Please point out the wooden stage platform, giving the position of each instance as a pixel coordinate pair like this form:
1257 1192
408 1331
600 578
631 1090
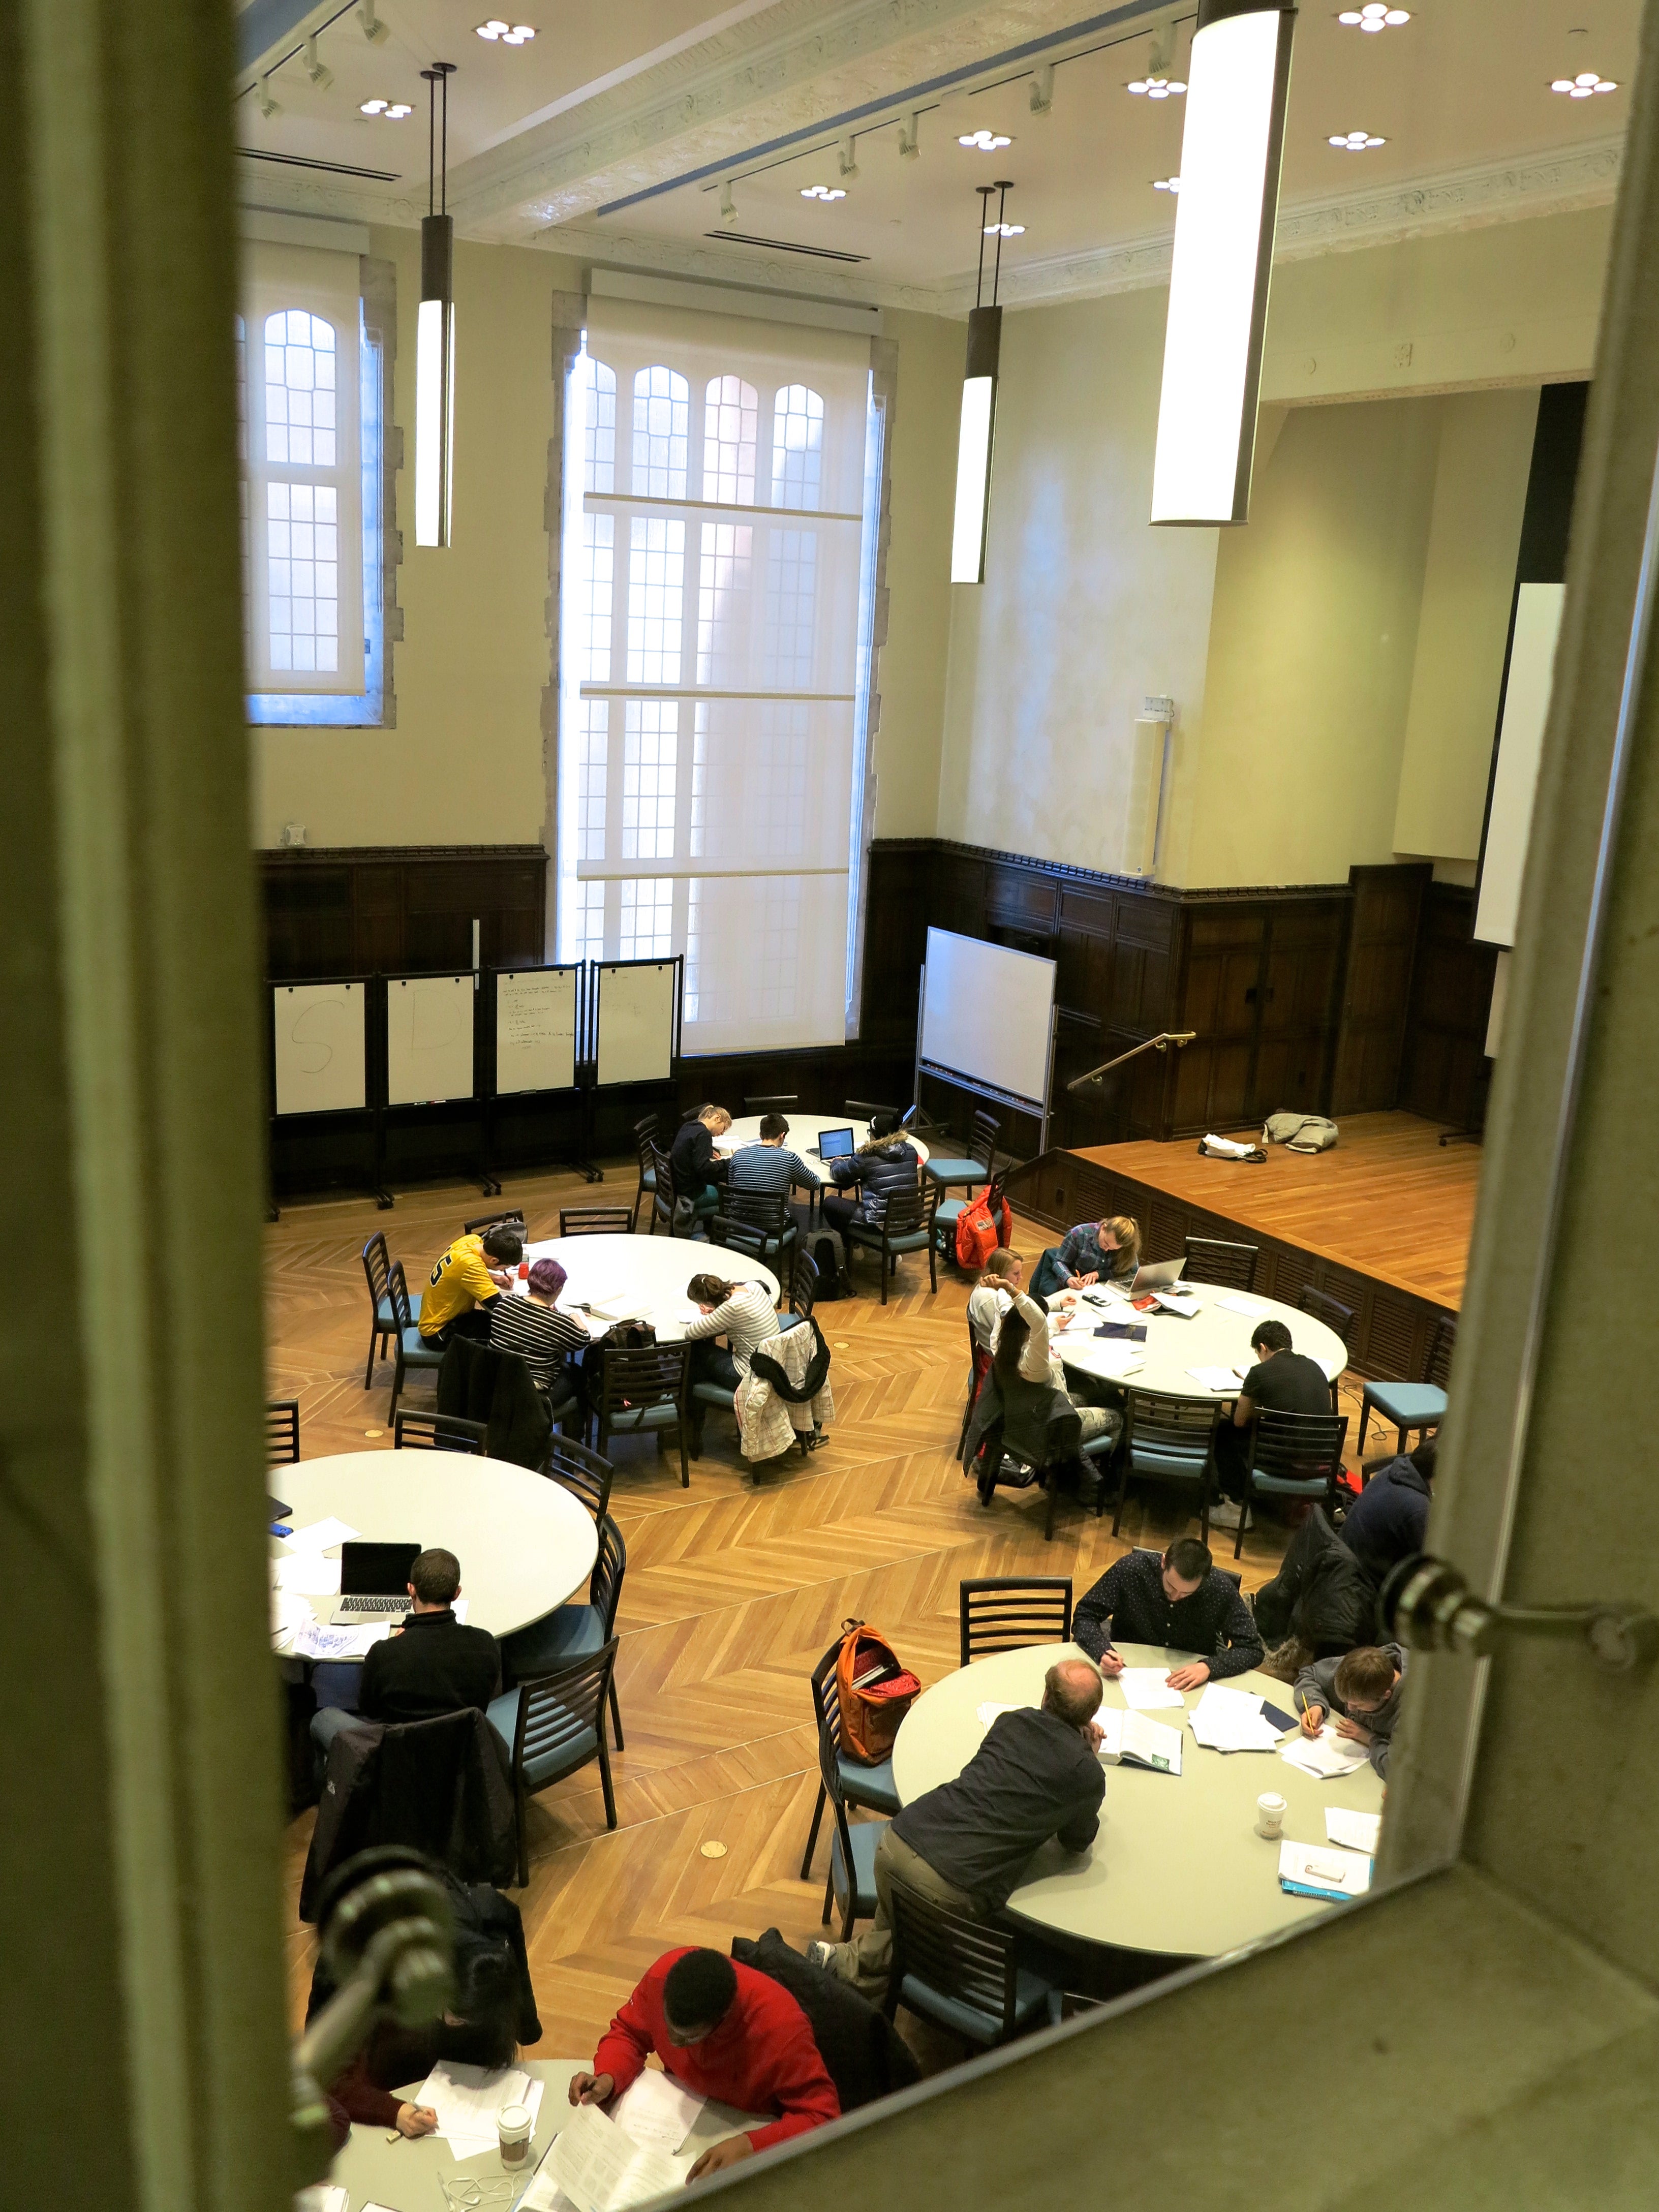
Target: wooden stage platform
1380 1223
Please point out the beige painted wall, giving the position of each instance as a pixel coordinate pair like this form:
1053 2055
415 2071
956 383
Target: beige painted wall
464 766
1480 496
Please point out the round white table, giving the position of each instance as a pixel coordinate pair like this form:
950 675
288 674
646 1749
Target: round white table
649 1273
525 1544
1177 1867
1218 1335
409 2176
805 1129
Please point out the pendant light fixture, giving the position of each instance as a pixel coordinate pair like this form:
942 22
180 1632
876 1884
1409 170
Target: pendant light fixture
979 403
434 331
1237 81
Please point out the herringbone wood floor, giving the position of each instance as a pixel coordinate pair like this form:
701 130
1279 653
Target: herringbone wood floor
733 1591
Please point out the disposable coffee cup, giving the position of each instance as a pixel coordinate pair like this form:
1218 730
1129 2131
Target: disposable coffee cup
514 2127
1270 1815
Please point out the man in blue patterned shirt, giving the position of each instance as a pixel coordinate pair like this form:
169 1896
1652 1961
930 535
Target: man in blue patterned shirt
1181 1602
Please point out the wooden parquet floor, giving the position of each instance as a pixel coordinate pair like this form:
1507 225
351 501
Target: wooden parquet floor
1388 1200
733 1591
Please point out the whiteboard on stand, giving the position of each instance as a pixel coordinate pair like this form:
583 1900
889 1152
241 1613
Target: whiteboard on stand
536 1028
316 1031
638 1007
429 1039
1515 771
988 1016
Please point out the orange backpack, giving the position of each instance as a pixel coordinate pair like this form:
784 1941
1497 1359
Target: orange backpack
875 1692
980 1230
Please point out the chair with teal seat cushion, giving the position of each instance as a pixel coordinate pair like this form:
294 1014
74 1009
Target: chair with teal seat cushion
1409 1407
703 1207
581 1471
553 1724
1294 1456
978 1163
803 1292
871 1787
699 1398
850 1883
575 1631
411 1349
642 1391
757 1223
906 1225
1169 1441
961 1973
644 1131
383 1322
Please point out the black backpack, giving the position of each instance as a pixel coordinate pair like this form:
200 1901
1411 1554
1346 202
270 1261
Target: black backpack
828 1268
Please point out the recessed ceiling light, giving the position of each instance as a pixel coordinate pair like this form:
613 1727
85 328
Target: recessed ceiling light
1158 87
1166 183
822 193
985 142
507 34
390 111
1585 85
1373 16
1356 142
1004 230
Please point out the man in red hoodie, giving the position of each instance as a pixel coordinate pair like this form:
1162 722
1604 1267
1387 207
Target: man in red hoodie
725 2032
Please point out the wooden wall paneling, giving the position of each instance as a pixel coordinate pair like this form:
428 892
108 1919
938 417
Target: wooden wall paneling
900 895
1444 1074
308 923
1388 906
1296 996
379 945
1220 976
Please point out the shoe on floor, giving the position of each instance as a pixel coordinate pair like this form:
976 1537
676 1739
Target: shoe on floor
821 1954
1226 1515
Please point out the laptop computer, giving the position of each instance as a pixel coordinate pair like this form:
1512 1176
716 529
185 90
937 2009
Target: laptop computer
834 1145
374 1583
1161 1275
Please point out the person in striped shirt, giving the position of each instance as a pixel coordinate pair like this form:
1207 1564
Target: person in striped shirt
743 1313
539 1333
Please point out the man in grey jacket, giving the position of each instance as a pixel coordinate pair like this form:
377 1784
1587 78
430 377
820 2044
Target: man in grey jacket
1362 1689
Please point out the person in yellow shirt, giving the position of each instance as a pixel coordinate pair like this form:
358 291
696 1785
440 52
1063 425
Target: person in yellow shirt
463 1285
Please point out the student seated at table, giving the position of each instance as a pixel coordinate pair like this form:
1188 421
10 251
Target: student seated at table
1021 1355
965 1845
540 1334
885 1163
464 1286
1181 1602
1389 1519
434 1664
691 1156
743 1313
493 2012
1362 1691
1282 1381
1001 1276
769 1165
727 2032
1094 1252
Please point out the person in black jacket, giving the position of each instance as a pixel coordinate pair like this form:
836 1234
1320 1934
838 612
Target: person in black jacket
1180 1602
1389 1519
691 1157
432 1665
1282 1381
886 1162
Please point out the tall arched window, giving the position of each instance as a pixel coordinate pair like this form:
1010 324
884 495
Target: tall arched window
662 432
797 446
598 389
302 590
731 432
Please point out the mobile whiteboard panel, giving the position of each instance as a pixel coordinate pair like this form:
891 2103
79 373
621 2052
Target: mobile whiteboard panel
317 1034
988 1016
1515 772
536 1028
429 1039
637 1021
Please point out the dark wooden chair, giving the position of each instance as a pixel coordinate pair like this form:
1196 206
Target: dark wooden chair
1410 1407
979 1360
1293 1455
1172 1440
446 1433
850 1881
596 1221
1210 1260
963 1974
574 1631
1004 1613
906 1225
644 1131
756 1222
871 1787
553 1725
1336 1317
510 1217
643 1392
778 1101
382 1323
580 1471
411 1350
803 1291
283 1432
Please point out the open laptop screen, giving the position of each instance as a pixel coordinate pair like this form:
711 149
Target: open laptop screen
376 1570
835 1143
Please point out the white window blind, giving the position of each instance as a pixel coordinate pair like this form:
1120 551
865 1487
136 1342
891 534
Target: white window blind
299 379
715 561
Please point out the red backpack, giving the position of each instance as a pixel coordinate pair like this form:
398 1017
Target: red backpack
981 1226
874 1691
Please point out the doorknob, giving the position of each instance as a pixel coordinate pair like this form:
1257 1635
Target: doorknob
1426 1604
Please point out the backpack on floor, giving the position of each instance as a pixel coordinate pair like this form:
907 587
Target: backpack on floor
980 1230
1299 1133
828 1263
875 1694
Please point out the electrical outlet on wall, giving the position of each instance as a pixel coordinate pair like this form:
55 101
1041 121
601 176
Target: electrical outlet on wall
1157 706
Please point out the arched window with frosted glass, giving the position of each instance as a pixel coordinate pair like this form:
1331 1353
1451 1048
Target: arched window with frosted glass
798 447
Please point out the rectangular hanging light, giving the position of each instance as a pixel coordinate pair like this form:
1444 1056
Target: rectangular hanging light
434 382
974 444
1230 147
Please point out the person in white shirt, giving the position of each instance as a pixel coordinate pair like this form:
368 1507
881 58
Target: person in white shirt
743 1313
1020 1340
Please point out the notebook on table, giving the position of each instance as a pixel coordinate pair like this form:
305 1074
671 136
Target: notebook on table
374 1583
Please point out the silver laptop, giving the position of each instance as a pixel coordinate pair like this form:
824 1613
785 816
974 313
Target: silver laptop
373 1584
1162 1275
833 1145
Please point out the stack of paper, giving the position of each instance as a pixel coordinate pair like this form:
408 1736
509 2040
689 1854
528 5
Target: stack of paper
315 1641
1232 1720
597 2168
1223 1381
1131 1740
1327 1755
321 1536
657 2111
1182 1302
307 1574
1240 1302
1359 1831
289 1615
325 2196
468 2101
1309 1871
988 1713
1147 1688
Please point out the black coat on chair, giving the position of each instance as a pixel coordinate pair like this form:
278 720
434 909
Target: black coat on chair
482 1383
863 2053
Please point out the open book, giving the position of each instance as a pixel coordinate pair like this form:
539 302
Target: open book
1129 1739
595 2166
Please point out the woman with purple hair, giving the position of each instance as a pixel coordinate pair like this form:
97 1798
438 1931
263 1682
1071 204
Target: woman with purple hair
539 1333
